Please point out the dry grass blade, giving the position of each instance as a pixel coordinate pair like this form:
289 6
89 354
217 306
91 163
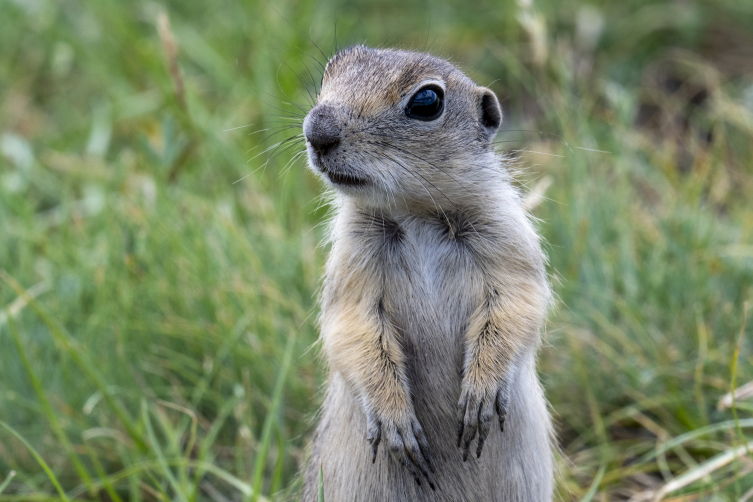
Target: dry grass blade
19 303
742 392
747 496
537 194
170 46
701 471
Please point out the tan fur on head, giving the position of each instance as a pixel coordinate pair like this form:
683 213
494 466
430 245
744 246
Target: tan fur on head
434 296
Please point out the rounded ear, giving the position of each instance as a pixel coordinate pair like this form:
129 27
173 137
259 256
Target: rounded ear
490 113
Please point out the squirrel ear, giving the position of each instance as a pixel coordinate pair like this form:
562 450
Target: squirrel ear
490 113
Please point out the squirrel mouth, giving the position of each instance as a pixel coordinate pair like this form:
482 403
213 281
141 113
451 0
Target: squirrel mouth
344 179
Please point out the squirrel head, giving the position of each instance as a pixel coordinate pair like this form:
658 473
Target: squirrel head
393 127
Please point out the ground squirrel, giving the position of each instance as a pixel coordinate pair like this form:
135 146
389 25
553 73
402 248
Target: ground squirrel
434 296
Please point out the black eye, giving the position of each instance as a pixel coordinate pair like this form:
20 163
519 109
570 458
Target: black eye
427 104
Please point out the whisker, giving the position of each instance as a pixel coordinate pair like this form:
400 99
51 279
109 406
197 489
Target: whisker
299 31
296 104
408 170
541 133
390 145
286 171
289 164
433 185
278 130
236 128
313 82
282 127
276 145
592 149
370 131
274 134
312 58
542 153
444 171
288 113
296 118
312 101
279 151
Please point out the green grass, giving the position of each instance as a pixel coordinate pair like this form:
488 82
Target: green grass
157 335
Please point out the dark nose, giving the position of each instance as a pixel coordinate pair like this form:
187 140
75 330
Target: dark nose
321 129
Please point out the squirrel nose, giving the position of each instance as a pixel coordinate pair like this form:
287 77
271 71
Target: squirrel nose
321 129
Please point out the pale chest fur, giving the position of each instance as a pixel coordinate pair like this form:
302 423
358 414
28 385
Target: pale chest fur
431 283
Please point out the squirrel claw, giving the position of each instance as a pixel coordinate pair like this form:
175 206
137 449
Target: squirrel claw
407 444
374 436
475 413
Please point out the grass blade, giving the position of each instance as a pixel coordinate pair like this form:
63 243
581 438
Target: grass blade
101 473
222 353
689 436
179 433
321 485
78 354
733 381
594 485
702 470
142 467
208 441
38 458
8 478
49 413
19 303
160 456
276 482
266 435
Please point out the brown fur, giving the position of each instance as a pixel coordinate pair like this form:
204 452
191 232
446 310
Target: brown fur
434 296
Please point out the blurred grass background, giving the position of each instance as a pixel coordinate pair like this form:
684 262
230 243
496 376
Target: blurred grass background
157 336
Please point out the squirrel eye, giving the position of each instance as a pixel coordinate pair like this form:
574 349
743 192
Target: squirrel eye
427 104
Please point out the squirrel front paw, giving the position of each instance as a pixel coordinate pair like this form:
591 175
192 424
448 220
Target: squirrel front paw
476 411
405 440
